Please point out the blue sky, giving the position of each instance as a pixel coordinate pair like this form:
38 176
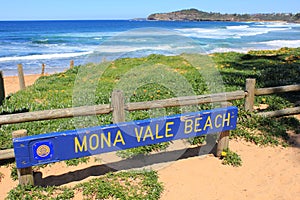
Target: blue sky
128 9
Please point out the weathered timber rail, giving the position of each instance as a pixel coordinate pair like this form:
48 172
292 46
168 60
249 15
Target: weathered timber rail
118 111
107 108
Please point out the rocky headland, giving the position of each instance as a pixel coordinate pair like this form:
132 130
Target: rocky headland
197 15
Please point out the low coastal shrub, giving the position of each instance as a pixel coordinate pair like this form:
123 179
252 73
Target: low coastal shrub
75 162
1 176
144 150
270 68
197 140
13 172
231 158
36 193
135 185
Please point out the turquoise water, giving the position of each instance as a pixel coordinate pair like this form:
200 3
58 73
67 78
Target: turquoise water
55 43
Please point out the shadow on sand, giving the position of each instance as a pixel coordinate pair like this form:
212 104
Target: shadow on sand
125 164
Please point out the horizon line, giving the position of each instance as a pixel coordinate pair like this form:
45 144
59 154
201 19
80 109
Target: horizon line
145 18
19 20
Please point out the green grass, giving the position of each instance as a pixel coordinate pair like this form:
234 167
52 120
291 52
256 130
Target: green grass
34 192
133 185
270 68
145 150
231 158
1 176
75 162
96 83
265 131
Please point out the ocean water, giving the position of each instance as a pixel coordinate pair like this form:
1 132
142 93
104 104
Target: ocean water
55 43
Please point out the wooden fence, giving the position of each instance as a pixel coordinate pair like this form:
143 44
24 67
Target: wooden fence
251 92
22 79
118 107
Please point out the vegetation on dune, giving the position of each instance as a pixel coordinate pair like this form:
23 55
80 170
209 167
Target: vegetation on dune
269 68
231 158
197 15
135 185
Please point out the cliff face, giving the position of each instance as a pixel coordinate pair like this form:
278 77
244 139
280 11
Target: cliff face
196 15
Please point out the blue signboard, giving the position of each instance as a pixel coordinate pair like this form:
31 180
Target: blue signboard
58 146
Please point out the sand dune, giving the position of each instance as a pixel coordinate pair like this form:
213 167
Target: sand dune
266 173
11 83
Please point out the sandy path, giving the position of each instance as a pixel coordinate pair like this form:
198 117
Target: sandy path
11 83
266 173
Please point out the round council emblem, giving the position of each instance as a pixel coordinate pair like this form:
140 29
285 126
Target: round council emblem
43 151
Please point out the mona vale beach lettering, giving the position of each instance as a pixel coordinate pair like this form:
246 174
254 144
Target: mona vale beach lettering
58 146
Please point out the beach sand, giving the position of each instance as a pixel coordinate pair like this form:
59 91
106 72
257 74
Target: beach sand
266 172
11 83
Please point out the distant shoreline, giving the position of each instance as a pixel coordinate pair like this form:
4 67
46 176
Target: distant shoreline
197 15
56 43
275 21
150 20
144 19
11 83
38 74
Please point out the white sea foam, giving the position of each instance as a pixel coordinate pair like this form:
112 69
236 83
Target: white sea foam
277 25
229 32
222 50
202 33
87 35
123 49
237 27
103 49
44 56
281 43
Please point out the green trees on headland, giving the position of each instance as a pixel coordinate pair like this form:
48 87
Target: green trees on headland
196 15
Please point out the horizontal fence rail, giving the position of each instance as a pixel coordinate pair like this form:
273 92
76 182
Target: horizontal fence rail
186 101
279 113
7 154
55 114
106 108
280 89
251 92
249 96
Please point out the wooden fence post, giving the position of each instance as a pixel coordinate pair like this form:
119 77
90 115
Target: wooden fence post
25 175
21 77
117 103
249 99
223 141
43 69
71 64
2 90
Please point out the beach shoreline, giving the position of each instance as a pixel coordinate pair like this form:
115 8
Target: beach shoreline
11 83
44 45
262 175
267 172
